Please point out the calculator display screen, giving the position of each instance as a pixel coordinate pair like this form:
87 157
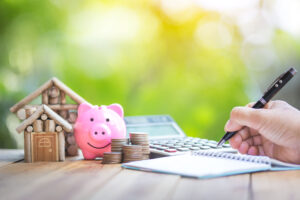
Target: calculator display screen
157 126
155 130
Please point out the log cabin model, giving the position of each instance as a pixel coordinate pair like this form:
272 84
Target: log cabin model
47 127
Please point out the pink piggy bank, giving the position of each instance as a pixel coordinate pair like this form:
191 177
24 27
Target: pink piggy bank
96 126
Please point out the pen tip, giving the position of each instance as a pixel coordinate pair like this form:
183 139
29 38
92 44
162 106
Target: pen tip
221 143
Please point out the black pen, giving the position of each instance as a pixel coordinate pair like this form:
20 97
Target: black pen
271 91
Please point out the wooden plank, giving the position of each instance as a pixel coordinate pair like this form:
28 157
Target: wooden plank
232 187
132 185
53 92
61 146
54 101
8 156
64 114
72 150
21 114
25 112
29 129
45 98
78 99
27 147
58 119
30 97
30 120
50 126
63 99
44 117
72 117
276 185
38 126
60 180
57 107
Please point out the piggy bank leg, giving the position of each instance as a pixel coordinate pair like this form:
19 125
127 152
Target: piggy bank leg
88 155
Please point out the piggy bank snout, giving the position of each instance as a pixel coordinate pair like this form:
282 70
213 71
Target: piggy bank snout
100 132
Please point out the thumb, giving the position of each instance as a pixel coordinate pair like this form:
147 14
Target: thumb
250 117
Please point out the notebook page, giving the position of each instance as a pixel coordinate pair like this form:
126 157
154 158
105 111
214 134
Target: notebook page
198 166
281 166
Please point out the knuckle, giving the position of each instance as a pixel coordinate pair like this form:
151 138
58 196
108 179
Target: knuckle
277 103
235 113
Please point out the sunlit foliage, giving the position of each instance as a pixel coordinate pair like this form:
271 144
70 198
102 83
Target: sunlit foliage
146 55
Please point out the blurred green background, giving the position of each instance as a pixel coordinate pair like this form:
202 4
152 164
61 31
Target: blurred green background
194 60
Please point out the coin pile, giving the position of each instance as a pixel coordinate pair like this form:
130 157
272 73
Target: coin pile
139 138
112 157
117 144
132 153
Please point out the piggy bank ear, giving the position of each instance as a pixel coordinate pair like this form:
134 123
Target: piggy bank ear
117 108
84 107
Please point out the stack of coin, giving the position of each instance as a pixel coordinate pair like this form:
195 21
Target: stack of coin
132 153
112 157
139 138
117 144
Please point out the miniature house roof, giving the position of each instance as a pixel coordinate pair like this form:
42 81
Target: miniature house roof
51 114
52 82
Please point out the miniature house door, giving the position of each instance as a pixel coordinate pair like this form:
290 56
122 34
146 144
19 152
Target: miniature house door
44 147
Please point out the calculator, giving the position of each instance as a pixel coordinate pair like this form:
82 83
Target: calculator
168 139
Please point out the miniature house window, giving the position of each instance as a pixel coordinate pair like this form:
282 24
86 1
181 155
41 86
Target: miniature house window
44 142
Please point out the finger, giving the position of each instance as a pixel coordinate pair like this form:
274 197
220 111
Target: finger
249 117
253 150
257 140
261 151
236 141
232 126
245 133
276 103
250 105
253 132
250 141
243 149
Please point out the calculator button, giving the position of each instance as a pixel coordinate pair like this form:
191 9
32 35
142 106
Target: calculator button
171 150
211 145
203 140
194 148
187 146
169 145
188 143
171 142
177 146
162 148
183 149
226 145
197 145
212 142
205 147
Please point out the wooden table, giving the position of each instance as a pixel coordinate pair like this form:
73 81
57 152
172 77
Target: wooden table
80 179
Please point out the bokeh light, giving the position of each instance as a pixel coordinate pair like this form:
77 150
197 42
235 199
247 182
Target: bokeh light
192 59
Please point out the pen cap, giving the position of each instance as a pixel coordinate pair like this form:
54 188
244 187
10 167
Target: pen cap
293 71
279 83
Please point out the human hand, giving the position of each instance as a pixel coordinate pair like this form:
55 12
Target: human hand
273 131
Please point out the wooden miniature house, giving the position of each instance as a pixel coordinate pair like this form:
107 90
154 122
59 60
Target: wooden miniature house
44 138
54 95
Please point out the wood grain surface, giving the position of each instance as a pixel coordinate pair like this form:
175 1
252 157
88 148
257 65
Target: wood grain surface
80 179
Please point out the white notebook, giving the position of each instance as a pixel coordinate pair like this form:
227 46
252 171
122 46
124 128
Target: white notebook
209 164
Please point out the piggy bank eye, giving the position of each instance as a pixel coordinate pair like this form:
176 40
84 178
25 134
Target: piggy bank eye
92 119
107 119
